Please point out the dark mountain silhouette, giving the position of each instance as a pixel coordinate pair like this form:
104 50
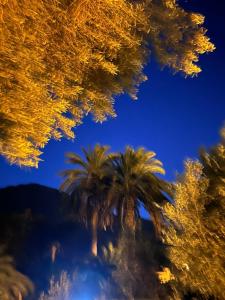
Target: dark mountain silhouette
41 200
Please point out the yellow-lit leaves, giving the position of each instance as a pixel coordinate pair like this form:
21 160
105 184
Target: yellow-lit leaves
196 229
74 57
165 275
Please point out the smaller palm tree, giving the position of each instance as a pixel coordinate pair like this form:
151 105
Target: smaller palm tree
135 183
87 185
13 284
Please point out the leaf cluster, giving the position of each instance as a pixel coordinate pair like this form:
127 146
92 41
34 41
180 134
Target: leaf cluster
61 60
196 226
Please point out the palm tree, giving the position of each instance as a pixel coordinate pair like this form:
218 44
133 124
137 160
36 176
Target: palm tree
135 183
13 284
87 186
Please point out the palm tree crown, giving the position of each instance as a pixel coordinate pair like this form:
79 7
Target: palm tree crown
87 186
135 183
104 184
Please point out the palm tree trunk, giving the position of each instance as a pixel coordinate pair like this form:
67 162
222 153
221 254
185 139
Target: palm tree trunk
156 220
120 210
94 229
130 214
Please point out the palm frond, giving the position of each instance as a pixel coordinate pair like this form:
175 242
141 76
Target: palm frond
12 282
75 159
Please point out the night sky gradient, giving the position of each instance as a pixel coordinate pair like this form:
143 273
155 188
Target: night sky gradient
174 116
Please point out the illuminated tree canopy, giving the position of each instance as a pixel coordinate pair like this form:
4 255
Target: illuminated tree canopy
196 227
62 59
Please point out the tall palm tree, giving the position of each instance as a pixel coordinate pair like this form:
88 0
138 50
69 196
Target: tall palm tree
87 185
135 183
13 284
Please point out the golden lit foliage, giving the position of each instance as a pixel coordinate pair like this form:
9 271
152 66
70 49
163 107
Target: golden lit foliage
61 59
13 284
196 232
165 275
177 37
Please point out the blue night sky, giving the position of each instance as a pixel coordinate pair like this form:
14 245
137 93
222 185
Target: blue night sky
173 116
